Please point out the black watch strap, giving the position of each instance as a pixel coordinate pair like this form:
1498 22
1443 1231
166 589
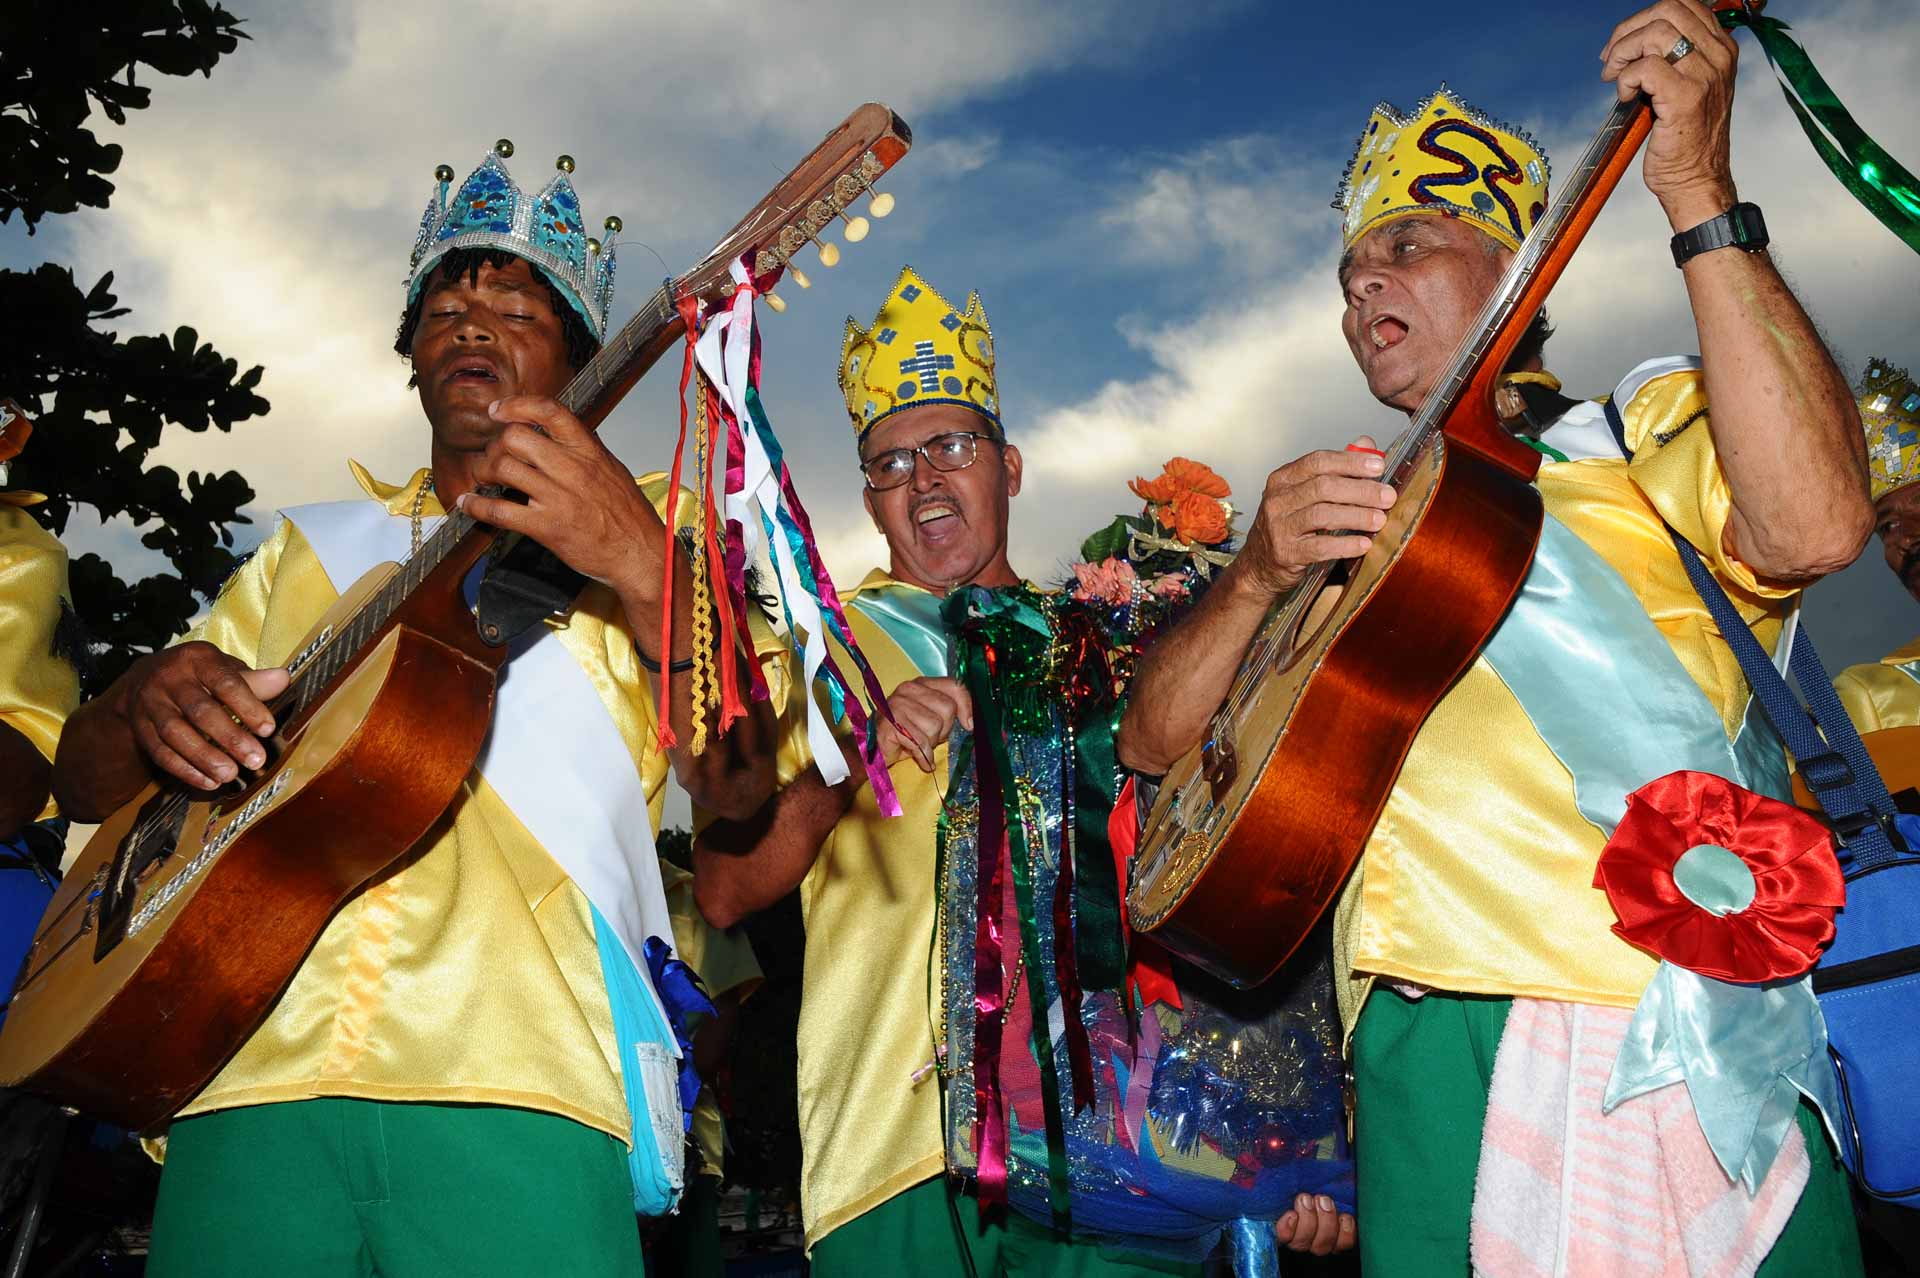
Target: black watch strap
1739 227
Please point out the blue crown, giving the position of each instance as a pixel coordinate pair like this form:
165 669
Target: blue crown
548 230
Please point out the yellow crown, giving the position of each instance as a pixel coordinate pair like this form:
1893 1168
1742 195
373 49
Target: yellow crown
920 349
1890 410
1449 158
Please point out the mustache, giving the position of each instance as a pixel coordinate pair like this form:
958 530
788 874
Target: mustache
921 502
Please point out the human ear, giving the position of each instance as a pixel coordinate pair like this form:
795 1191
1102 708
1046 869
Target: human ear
1010 460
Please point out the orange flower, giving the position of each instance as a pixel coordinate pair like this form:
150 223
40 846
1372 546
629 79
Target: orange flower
1180 475
1199 519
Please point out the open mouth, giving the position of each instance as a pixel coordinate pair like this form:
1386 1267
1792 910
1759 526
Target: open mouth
1385 332
473 370
936 519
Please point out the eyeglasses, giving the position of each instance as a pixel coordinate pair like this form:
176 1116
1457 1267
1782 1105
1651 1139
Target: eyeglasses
894 467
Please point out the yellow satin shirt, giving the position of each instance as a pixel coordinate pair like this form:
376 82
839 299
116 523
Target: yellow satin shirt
471 975
724 962
38 690
1479 876
1882 695
867 1130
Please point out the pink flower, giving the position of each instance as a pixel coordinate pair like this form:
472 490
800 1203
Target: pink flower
1109 581
1173 585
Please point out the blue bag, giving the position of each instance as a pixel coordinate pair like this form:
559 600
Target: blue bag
1868 982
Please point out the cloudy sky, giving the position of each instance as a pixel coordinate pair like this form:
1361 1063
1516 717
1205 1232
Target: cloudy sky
1138 190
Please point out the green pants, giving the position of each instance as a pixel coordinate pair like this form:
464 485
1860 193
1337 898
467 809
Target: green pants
1421 1071
919 1233
337 1188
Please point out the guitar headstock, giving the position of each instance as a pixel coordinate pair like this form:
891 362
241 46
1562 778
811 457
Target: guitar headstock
823 188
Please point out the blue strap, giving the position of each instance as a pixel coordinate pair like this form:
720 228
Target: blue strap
1832 759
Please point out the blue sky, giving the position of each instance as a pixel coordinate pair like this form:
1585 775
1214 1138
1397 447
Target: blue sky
1138 190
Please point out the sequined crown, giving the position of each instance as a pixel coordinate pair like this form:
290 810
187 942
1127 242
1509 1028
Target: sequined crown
490 211
1445 157
920 349
1890 410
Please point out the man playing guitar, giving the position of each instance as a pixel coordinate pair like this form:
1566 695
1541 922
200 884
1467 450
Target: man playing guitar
1475 893
441 1088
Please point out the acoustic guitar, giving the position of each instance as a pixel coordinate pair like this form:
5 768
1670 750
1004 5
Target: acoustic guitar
1254 832
186 915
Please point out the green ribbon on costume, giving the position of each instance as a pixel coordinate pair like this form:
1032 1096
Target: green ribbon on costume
1881 183
1097 938
1002 631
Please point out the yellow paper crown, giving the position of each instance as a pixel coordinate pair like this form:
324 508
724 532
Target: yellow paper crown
1890 410
1449 158
920 349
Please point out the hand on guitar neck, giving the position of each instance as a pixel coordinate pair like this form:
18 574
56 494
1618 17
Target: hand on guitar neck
1319 508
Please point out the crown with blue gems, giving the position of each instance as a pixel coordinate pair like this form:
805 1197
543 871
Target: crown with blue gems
1444 157
490 211
920 349
1890 412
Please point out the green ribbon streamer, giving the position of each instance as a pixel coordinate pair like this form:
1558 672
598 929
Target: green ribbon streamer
1096 894
1881 183
1009 623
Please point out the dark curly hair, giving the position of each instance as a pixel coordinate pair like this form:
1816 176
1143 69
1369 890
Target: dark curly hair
581 343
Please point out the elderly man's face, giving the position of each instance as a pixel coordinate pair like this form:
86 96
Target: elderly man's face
483 339
1898 514
1413 286
945 528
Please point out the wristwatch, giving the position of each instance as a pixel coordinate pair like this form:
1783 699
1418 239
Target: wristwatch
1739 227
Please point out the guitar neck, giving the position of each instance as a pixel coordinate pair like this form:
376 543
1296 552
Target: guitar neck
1478 362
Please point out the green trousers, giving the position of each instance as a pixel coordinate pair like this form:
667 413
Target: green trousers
338 1188
920 1234
1421 1070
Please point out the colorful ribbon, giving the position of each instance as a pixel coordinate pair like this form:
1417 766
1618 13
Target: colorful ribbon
1881 183
763 510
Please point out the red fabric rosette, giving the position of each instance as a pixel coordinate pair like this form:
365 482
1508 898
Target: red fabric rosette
1797 881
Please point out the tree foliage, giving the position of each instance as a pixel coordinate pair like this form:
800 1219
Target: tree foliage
102 402
59 59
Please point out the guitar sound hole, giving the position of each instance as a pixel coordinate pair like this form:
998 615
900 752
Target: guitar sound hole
153 838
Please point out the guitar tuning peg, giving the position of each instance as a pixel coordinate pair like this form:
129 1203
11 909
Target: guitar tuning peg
881 204
829 254
799 277
857 228
778 303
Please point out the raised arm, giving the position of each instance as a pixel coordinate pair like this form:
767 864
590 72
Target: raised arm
1185 675
1783 418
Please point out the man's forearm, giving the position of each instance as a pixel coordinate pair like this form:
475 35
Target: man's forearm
1784 421
742 867
1185 676
26 778
99 765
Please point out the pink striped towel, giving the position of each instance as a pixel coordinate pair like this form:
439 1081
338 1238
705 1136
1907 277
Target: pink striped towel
1567 1191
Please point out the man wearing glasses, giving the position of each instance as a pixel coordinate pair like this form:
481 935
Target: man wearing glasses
940 479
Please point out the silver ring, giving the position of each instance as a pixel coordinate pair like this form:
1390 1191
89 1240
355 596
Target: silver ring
1681 48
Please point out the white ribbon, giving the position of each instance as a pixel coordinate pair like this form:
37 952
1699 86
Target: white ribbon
725 352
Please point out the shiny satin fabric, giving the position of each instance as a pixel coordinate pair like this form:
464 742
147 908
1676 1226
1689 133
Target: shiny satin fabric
1478 877
868 1128
1883 694
470 975
37 689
